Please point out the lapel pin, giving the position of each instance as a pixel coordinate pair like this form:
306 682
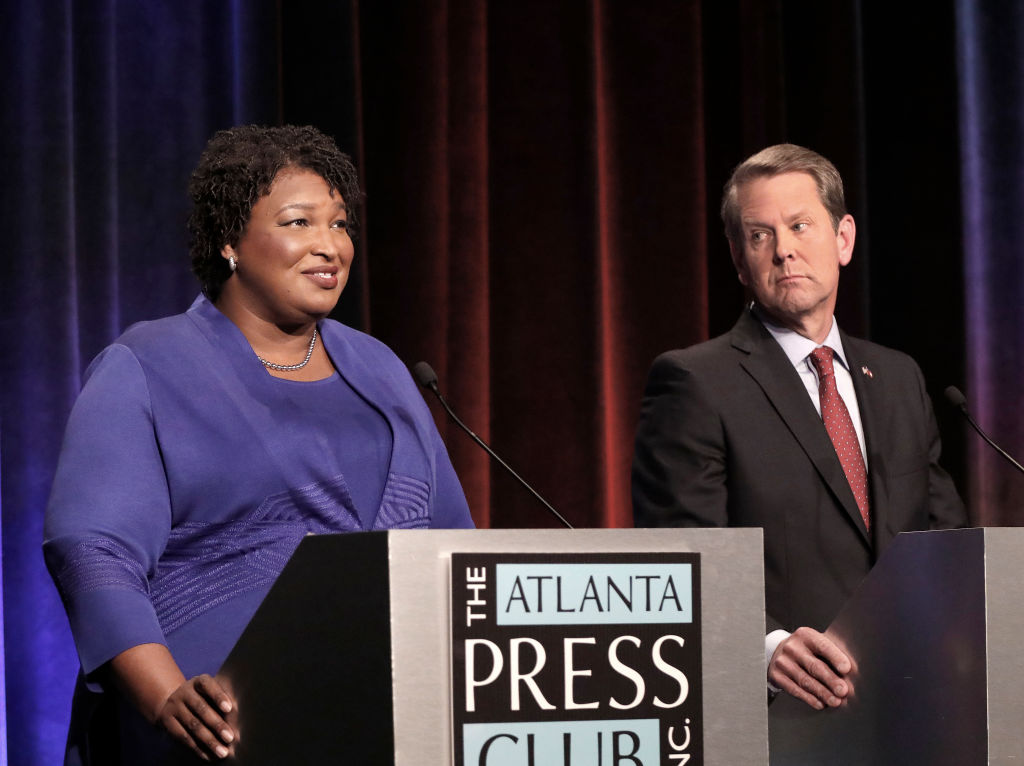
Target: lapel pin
867 372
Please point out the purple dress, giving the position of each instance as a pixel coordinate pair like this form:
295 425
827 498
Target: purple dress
189 475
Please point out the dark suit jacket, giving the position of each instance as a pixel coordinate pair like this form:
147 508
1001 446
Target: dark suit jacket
729 437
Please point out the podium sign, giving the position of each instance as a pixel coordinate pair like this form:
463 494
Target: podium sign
576 658
591 648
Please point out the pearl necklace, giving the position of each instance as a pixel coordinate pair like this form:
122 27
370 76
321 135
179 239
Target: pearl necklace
290 367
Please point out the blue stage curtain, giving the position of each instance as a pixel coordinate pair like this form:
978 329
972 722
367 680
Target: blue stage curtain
990 39
106 105
3 669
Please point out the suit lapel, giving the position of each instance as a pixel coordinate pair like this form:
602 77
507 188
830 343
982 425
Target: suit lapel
768 365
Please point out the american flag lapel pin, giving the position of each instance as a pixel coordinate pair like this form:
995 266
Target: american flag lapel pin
867 371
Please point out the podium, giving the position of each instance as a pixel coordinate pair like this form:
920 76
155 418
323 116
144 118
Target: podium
371 648
935 632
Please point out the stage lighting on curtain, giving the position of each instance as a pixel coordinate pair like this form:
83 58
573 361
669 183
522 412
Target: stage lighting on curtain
3 674
991 73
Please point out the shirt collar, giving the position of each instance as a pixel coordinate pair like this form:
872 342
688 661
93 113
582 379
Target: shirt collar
796 347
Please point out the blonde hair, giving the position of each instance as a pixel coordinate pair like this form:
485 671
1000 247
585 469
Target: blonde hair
773 161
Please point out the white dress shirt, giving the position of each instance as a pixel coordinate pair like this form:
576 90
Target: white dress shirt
798 350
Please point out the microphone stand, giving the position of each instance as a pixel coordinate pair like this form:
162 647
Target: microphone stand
955 397
428 379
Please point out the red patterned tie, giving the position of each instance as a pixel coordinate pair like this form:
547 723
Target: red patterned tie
840 429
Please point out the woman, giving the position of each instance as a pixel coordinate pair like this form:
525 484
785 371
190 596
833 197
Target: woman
204 446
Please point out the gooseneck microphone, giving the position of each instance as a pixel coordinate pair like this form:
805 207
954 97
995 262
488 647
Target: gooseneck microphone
427 378
956 397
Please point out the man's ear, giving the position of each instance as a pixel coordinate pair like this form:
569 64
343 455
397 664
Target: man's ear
846 235
738 263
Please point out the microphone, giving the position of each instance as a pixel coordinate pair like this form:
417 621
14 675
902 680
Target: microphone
956 397
427 378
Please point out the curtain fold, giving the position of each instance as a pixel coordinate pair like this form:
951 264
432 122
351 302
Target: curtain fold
991 103
650 266
3 669
468 273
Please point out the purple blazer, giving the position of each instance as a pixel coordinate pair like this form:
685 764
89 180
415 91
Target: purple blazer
183 485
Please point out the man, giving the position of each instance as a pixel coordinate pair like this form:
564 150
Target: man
827 442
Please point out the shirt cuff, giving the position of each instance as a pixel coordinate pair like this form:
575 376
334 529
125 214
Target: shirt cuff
771 643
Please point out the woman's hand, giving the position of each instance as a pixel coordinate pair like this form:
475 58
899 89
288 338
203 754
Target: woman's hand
193 712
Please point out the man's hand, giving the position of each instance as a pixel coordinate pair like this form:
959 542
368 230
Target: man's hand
812 668
194 714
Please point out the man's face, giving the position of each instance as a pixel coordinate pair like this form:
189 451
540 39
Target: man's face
789 254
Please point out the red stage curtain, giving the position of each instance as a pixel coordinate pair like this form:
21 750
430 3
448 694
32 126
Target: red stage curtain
536 229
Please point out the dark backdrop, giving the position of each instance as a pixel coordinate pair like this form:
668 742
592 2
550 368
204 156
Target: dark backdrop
541 219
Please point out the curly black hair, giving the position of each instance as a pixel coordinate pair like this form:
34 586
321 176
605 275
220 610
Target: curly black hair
238 167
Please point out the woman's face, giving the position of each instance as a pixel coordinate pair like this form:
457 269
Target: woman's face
295 253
